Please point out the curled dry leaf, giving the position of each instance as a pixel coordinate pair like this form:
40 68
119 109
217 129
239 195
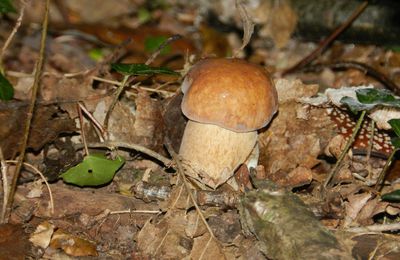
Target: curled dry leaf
72 245
42 235
354 205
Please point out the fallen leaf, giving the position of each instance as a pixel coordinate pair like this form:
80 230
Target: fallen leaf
205 247
72 245
354 205
42 235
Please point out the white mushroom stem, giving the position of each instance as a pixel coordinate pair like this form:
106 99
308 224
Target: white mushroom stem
214 152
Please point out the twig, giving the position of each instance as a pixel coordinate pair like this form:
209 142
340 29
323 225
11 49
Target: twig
375 228
371 140
185 183
94 121
82 129
34 169
346 149
161 47
115 100
135 211
381 179
117 83
35 88
12 34
167 162
327 41
365 68
4 170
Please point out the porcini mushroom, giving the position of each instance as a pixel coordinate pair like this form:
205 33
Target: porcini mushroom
226 102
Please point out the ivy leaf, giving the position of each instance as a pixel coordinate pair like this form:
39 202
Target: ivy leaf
376 96
6 89
393 196
395 142
369 98
395 124
354 105
141 69
152 43
6 7
94 170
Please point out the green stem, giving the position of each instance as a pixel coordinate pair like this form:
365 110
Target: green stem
115 100
382 175
346 149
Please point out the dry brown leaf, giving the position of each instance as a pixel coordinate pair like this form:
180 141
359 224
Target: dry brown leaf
144 126
47 124
205 247
165 239
354 205
195 226
72 245
278 20
373 207
298 177
290 141
42 235
248 26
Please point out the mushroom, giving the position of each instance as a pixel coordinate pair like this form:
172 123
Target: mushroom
226 102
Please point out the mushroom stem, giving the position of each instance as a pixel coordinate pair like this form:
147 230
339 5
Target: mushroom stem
214 152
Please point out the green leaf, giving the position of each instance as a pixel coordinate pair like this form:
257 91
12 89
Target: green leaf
354 105
393 196
6 7
94 170
369 98
395 124
374 96
396 142
141 69
96 54
6 89
152 43
143 15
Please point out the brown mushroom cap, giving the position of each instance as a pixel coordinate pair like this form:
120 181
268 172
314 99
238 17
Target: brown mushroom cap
230 93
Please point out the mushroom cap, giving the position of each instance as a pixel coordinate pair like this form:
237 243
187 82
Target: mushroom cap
230 93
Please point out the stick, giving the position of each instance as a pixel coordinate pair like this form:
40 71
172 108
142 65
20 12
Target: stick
35 88
327 41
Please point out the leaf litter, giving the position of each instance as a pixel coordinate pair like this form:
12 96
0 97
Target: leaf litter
145 211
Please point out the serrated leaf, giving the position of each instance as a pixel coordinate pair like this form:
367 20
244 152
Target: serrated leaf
6 7
6 89
141 69
94 170
395 124
393 196
152 43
